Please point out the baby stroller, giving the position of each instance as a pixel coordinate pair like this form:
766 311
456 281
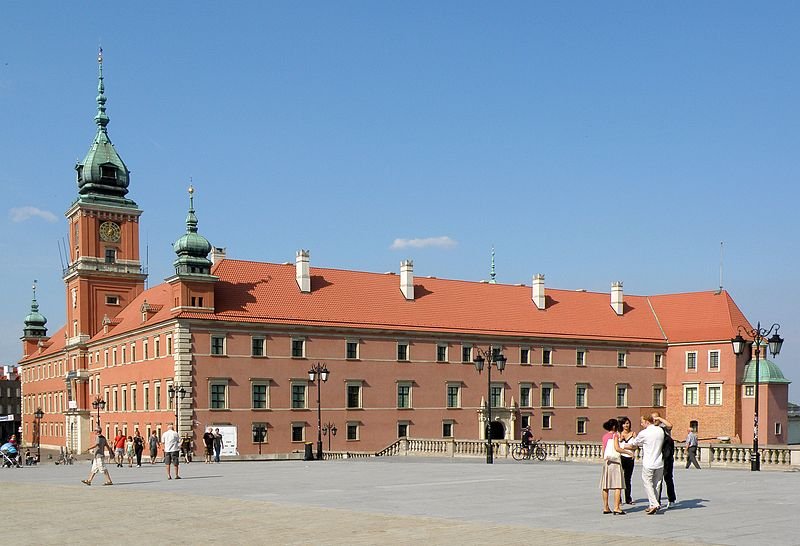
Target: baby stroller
10 455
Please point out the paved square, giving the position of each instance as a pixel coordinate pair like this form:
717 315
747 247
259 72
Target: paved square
390 501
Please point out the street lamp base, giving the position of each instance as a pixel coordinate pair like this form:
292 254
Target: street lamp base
755 462
319 450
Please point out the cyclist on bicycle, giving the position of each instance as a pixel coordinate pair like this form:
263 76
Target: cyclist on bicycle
527 438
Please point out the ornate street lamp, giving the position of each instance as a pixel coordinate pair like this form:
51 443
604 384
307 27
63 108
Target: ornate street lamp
489 357
99 404
319 369
38 414
329 427
259 433
774 344
175 393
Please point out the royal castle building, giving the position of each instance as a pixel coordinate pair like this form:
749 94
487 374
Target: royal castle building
229 343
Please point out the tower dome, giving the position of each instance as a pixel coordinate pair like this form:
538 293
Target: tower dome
102 175
192 248
35 321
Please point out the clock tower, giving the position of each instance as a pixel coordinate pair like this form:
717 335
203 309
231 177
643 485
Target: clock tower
104 273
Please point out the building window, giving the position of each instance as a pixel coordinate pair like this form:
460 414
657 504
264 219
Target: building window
352 431
351 350
547 421
402 350
404 395
453 395
466 353
713 361
691 361
580 357
298 348
354 395
525 421
257 346
133 352
580 425
299 395
259 433
122 355
146 397
658 361
111 255
219 395
524 355
547 395
778 429
658 396
124 398
133 398
447 429
622 396
259 395
217 345
112 300
713 395
525 395
547 356
749 391
496 396
690 395
402 429
580 396
441 353
157 394
622 359
157 347
145 352
298 432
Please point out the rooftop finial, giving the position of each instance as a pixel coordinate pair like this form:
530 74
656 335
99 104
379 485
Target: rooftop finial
191 219
101 119
492 274
34 304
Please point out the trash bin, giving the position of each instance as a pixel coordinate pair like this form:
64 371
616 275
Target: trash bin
309 454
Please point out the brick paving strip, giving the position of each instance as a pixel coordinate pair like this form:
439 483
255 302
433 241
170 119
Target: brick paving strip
81 515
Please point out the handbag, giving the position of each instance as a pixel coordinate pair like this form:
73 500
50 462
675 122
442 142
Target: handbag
610 454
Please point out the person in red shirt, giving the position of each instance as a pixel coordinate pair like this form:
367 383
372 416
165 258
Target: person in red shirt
119 447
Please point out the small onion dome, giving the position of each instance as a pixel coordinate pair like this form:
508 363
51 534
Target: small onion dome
35 321
192 248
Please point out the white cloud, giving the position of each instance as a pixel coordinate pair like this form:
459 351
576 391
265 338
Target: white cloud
21 214
440 242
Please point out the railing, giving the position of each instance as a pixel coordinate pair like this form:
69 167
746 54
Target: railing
710 455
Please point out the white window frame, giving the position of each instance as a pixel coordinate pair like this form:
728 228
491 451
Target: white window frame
661 395
581 421
298 383
446 348
465 346
547 420
302 426
302 341
551 390
354 383
448 386
357 427
406 424
658 360
211 339
407 345
452 425
749 388
528 386
410 386
719 360
778 429
625 401
585 387
624 362
687 368
710 386
549 352
259 383
580 362
216 382
355 342
525 359
696 388
263 340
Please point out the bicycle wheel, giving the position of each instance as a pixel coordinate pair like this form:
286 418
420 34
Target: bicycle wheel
540 453
518 453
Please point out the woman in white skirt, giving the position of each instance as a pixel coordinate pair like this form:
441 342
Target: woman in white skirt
611 478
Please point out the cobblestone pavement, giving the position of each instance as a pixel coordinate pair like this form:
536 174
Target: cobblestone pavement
389 501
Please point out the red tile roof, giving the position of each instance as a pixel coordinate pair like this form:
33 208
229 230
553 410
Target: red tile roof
268 293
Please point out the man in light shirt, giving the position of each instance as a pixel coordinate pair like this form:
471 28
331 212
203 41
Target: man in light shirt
650 439
691 448
172 451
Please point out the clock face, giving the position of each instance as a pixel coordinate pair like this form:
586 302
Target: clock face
109 231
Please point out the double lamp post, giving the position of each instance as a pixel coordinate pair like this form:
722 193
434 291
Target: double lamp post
775 342
487 358
321 370
38 414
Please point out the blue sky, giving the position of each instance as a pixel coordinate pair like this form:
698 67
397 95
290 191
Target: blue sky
588 141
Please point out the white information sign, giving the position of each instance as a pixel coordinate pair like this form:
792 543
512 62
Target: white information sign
229 439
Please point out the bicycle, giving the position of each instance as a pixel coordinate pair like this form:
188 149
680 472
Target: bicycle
536 449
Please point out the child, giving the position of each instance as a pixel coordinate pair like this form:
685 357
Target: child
129 451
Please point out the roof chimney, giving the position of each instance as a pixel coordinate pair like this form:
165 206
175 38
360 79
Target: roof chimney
407 278
302 273
617 303
217 254
538 291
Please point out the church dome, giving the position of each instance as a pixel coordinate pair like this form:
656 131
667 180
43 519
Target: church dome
192 248
35 321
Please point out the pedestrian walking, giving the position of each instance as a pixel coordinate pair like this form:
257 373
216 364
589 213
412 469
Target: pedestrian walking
153 442
611 477
651 439
129 452
691 449
627 459
172 451
98 463
119 447
138 447
218 444
668 455
208 444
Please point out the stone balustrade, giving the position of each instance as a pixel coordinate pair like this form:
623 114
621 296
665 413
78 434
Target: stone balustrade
773 457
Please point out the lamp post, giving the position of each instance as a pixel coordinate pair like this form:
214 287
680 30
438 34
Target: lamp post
319 369
774 344
329 427
488 357
98 404
259 431
174 394
38 414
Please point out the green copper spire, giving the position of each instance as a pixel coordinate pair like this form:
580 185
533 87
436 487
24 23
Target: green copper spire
35 321
192 248
102 175
492 274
